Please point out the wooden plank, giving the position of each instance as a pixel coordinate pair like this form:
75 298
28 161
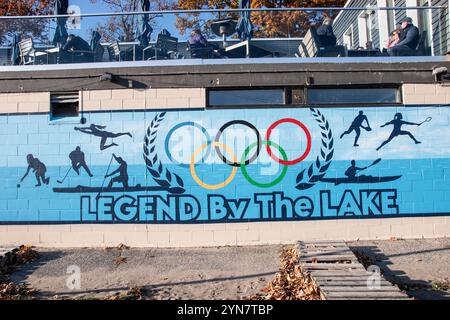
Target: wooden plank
366 294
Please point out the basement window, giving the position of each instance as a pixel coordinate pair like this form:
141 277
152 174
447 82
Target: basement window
246 97
64 105
353 96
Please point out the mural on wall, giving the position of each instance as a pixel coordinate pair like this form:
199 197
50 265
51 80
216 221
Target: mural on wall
227 165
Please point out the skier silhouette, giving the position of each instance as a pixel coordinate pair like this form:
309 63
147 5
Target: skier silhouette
78 161
97 131
122 171
39 170
397 122
356 126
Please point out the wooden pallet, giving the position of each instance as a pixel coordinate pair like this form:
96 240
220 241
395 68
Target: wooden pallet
339 274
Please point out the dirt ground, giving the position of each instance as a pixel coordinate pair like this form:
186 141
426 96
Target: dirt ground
421 267
201 273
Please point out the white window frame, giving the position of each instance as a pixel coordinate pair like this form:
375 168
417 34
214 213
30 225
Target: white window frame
383 24
347 33
364 34
430 23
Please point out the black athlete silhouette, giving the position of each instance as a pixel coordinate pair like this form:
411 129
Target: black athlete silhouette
122 171
98 131
353 170
356 126
39 170
78 161
397 122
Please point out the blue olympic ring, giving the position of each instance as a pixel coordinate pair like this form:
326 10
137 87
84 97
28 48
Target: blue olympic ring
184 124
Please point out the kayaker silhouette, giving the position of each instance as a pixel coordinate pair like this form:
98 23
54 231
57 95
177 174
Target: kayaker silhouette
97 131
78 161
397 122
356 126
39 170
352 171
122 171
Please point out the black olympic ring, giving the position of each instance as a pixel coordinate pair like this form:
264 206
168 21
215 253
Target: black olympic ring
219 134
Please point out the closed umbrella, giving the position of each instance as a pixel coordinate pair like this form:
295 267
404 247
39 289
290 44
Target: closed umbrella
15 55
144 30
244 27
61 35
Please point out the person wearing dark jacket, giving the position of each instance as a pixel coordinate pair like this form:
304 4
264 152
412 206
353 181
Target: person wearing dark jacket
409 39
326 34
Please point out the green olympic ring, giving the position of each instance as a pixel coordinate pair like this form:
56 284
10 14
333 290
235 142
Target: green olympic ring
258 184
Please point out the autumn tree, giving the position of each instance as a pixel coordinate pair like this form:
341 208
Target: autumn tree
37 28
266 24
123 27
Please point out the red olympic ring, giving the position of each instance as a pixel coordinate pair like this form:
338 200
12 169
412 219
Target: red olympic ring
308 141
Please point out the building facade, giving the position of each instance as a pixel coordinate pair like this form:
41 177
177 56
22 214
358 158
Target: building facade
354 28
188 154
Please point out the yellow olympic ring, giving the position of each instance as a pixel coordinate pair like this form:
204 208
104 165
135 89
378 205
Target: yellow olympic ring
212 186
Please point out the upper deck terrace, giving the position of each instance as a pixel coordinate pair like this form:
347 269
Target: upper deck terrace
293 56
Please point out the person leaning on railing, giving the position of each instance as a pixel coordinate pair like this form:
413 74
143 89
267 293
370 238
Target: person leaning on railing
408 40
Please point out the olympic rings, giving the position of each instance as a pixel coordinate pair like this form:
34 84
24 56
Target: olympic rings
258 139
244 162
178 126
308 141
269 184
212 186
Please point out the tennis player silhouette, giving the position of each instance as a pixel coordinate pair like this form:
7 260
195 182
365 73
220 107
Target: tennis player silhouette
397 122
356 126
98 131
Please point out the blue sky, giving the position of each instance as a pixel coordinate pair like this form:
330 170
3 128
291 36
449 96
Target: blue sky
167 21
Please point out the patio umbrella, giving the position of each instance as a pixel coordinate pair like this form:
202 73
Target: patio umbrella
144 30
61 35
15 49
244 26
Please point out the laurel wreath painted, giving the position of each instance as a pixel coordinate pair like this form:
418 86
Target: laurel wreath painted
308 178
161 175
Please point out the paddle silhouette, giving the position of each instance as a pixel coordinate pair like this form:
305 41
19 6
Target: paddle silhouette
38 168
98 131
122 171
352 177
398 122
356 126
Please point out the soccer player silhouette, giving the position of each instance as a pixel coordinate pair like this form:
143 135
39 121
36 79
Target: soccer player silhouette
397 122
356 126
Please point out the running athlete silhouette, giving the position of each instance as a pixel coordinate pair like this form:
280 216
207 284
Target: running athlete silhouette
397 131
97 131
122 171
356 126
78 161
39 170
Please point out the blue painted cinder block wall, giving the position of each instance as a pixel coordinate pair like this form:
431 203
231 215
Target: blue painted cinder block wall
225 165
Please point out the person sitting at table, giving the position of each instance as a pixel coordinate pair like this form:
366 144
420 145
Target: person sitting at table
394 38
199 46
408 39
326 34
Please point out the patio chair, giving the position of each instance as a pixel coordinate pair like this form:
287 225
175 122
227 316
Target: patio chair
28 53
114 51
166 47
421 49
311 47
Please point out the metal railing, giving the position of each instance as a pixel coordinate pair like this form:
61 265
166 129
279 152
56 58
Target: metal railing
276 32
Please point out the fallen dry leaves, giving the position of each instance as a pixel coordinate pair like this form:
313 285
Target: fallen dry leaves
8 263
290 282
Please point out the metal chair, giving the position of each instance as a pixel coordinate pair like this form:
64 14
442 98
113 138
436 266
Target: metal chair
165 47
28 53
114 51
